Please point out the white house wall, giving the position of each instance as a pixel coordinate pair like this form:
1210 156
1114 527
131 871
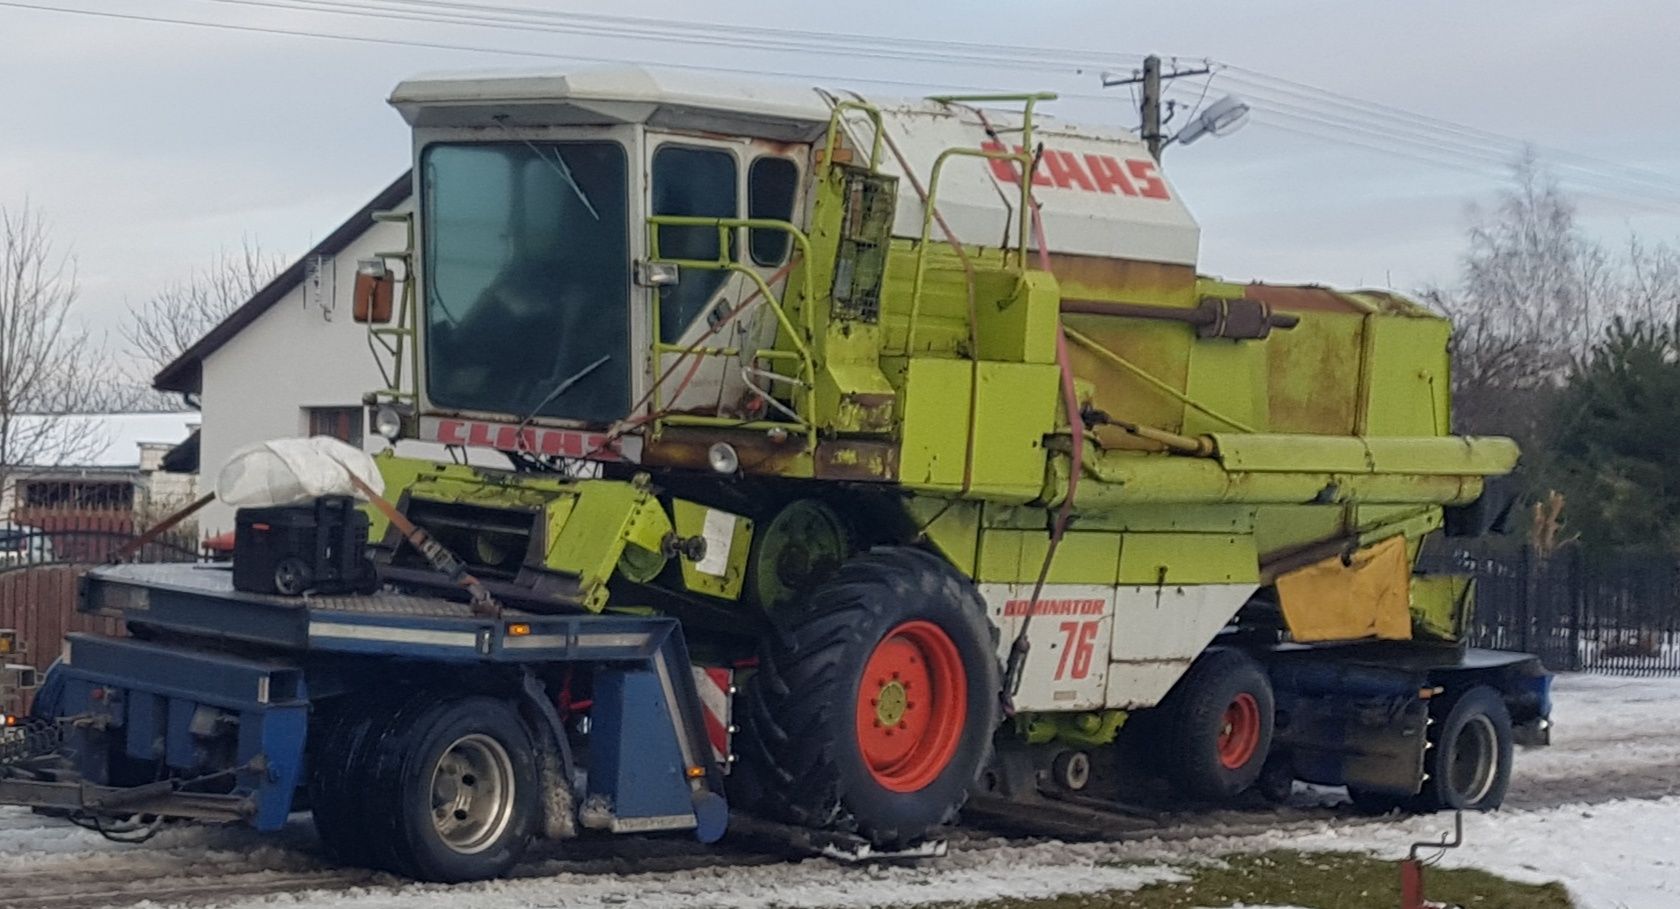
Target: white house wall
291 357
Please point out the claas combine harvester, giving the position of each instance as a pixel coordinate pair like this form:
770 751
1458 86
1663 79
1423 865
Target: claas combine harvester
864 460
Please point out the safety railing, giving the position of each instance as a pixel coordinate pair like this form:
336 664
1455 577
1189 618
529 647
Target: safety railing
798 336
393 344
1023 159
837 116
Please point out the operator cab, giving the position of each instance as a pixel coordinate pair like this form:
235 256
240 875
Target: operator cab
537 305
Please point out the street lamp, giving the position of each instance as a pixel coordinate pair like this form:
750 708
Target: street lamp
1223 117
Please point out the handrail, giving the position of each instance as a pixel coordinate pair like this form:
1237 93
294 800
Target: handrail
1023 158
401 329
726 262
832 140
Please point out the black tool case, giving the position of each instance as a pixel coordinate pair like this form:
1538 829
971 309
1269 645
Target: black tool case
318 547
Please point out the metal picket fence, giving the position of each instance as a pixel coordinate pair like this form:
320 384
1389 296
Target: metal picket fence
1615 612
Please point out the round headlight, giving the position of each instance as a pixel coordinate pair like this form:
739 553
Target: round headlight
723 458
387 422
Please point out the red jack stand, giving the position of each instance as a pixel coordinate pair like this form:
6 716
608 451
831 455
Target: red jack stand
1411 870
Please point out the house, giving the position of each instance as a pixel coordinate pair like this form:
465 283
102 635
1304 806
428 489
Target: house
290 361
118 481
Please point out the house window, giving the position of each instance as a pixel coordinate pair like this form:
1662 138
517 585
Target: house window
341 423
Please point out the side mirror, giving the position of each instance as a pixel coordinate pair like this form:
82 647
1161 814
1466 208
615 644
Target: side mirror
373 292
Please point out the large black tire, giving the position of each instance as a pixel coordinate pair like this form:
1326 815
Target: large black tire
389 814
1199 754
1470 754
805 708
338 746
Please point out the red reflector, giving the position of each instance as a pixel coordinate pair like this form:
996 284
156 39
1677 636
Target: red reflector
259 526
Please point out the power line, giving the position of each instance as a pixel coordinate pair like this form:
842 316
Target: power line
431 45
1606 180
1603 182
1428 139
1300 91
1270 119
747 37
266 30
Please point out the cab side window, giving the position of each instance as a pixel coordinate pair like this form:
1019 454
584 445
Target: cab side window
771 186
699 182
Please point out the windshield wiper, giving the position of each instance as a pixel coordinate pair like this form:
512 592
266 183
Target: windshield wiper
559 165
562 388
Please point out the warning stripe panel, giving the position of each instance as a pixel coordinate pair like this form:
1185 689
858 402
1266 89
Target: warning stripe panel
715 684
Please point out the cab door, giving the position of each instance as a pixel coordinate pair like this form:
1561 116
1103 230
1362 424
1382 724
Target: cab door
718 178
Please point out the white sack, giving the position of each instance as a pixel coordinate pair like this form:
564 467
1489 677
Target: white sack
293 471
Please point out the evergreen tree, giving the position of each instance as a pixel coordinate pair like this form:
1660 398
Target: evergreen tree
1611 439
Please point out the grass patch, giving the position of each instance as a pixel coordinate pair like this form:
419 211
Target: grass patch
1317 880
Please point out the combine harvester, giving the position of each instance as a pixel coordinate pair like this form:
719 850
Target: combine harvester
864 457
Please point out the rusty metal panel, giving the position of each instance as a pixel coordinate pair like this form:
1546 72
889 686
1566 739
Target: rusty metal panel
857 459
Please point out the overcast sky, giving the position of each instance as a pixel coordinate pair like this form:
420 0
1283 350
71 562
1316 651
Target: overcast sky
150 146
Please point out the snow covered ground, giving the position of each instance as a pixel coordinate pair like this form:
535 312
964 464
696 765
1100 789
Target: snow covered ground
1599 810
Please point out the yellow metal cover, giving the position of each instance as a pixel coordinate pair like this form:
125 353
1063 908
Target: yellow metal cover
1370 597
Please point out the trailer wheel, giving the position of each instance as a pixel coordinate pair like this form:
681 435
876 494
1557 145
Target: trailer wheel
874 703
451 789
1469 761
338 744
1217 725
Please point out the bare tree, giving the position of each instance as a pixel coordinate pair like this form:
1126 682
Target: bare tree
160 329
50 370
1650 288
1533 291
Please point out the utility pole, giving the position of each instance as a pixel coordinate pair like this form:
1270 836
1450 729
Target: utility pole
1149 106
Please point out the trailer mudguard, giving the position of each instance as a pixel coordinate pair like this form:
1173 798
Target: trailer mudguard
204 715
651 765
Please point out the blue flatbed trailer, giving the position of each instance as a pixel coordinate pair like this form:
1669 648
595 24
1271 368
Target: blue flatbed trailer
228 706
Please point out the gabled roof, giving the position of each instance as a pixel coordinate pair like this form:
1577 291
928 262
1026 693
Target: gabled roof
185 373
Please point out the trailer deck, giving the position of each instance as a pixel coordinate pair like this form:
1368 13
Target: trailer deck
200 600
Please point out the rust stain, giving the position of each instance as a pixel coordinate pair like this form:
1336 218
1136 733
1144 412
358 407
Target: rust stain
857 459
687 448
1124 279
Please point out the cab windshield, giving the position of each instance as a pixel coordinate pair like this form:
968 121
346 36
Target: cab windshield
527 278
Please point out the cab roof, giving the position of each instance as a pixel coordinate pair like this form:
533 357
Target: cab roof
610 95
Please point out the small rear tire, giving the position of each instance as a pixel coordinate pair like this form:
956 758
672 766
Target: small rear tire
1217 726
1469 761
293 576
1467 765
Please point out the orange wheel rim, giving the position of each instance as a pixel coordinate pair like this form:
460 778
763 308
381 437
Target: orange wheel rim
912 706
1239 731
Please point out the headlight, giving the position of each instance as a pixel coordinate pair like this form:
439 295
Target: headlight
387 422
723 458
